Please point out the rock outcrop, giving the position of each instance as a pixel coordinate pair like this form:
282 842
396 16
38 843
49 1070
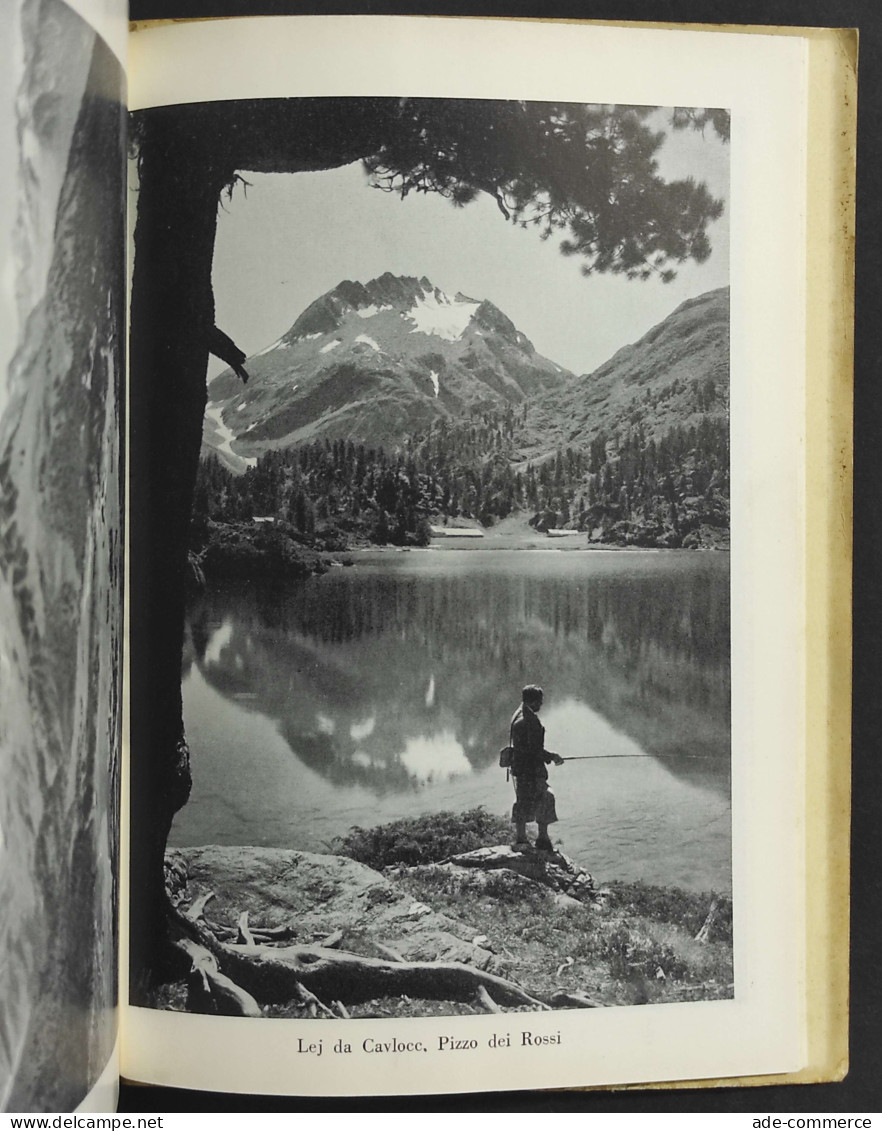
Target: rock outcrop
319 895
549 869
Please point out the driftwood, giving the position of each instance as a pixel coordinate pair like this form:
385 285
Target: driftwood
573 999
210 991
312 1002
259 934
273 973
277 934
483 998
221 930
388 952
196 910
565 965
243 934
704 934
276 974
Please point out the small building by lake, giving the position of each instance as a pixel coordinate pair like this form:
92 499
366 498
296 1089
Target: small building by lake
456 532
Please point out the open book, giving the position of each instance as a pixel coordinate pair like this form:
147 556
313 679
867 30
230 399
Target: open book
464 357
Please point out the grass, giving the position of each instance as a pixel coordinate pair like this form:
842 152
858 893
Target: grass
672 905
635 944
616 954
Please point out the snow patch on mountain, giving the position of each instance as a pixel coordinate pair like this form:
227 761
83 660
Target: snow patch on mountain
436 313
217 642
214 412
359 731
388 337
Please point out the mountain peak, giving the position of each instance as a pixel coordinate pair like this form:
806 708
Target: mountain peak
375 362
430 309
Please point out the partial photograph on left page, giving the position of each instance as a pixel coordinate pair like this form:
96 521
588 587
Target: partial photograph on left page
62 315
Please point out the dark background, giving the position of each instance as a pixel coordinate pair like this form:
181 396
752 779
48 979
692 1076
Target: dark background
862 1088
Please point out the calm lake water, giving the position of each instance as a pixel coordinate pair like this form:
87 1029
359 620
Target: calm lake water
384 690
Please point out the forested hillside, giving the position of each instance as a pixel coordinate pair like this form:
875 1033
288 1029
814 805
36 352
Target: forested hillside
670 492
635 454
675 375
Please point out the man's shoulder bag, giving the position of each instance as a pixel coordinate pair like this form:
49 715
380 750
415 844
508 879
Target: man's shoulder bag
506 754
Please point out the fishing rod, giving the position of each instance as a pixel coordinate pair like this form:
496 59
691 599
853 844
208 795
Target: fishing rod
598 757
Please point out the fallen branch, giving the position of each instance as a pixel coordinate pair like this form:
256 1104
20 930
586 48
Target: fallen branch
312 1002
388 952
197 907
483 998
333 940
573 999
277 933
210 991
704 934
224 931
220 930
273 974
244 936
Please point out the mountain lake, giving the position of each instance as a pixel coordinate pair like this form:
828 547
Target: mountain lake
384 690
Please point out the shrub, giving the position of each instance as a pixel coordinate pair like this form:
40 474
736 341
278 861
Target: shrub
254 550
423 840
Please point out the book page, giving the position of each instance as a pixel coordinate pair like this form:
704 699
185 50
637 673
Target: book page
497 475
61 357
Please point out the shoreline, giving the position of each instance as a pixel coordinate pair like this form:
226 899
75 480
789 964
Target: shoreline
593 549
490 545
251 549
602 882
536 920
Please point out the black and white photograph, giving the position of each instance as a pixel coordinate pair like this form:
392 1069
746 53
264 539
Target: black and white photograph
431 662
62 331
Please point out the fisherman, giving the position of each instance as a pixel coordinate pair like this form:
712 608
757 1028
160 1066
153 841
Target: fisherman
534 800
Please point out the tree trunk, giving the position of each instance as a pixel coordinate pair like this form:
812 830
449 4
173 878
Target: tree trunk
187 156
172 313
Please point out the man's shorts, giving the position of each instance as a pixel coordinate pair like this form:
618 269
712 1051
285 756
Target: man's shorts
535 802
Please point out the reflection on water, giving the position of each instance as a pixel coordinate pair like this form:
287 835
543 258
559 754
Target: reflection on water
385 690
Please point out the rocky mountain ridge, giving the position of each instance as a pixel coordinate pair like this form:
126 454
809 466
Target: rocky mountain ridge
675 375
375 363
635 453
